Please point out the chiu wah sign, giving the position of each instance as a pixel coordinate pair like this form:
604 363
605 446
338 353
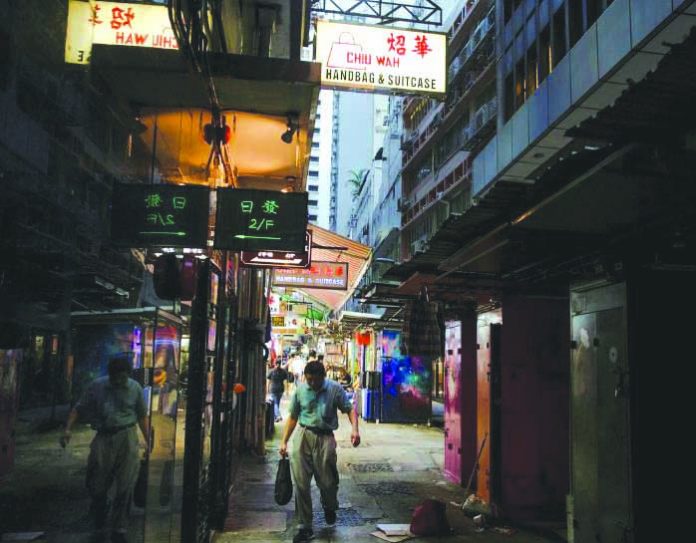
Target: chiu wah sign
115 23
381 59
324 275
159 216
261 220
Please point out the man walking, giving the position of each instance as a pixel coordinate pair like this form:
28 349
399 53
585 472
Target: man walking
314 405
277 376
114 405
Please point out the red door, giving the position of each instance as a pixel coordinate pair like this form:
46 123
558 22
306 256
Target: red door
453 402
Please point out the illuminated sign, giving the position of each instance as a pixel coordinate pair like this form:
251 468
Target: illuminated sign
325 275
115 23
278 321
261 220
379 58
279 259
159 216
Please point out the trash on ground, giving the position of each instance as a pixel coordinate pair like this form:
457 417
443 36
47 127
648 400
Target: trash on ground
394 533
23 536
395 529
474 504
391 538
504 530
479 523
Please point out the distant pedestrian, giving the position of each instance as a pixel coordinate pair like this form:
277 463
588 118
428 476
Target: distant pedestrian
277 377
296 366
314 405
115 405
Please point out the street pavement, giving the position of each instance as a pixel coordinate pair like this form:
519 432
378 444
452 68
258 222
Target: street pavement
395 468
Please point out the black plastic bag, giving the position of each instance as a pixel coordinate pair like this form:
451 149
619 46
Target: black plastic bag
283 482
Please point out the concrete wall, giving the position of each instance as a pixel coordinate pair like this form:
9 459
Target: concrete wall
534 381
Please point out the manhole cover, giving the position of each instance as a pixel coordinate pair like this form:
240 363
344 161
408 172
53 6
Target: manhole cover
344 517
372 467
387 488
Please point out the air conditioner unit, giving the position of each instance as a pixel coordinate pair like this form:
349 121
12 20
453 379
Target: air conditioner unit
419 245
480 118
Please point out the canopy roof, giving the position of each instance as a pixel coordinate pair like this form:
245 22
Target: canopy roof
330 247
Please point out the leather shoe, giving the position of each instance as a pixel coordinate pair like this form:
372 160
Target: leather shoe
330 516
305 534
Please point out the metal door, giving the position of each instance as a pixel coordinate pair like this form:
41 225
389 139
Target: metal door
487 370
453 403
600 474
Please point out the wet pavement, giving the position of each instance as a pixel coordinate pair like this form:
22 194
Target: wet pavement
395 468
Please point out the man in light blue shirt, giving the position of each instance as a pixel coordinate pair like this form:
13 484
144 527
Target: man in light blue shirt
314 406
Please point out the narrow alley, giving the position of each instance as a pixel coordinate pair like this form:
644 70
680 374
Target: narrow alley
395 468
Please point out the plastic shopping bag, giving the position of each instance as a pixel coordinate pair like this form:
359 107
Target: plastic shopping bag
283 482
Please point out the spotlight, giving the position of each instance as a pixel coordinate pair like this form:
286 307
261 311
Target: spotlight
293 126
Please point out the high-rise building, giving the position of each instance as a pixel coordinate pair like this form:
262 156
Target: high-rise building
319 179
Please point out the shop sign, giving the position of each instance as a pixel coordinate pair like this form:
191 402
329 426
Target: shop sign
323 275
159 216
279 259
261 220
278 321
381 59
115 23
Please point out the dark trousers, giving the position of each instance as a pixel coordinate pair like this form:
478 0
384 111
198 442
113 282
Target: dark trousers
277 396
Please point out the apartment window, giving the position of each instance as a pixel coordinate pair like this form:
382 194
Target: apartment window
314 159
315 145
544 54
313 173
313 202
559 38
312 217
575 27
532 69
313 188
520 85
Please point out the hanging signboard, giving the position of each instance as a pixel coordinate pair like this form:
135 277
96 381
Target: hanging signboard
261 220
115 23
324 275
378 58
279 259
278 321
159 216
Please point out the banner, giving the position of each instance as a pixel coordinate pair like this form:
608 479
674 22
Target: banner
380 58
115 23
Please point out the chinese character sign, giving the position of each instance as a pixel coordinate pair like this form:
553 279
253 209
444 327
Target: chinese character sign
159 216
115 23
261 220
322 275
380 58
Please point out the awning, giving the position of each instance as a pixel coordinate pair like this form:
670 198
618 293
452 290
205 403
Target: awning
350 320
256 96
330 247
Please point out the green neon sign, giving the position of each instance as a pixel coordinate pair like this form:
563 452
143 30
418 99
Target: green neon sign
159 215
260 220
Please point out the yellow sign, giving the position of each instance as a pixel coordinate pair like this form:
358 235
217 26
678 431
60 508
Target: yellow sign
379 58
115 23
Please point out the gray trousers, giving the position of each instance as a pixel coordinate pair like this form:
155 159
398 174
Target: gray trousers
113 460
313 455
